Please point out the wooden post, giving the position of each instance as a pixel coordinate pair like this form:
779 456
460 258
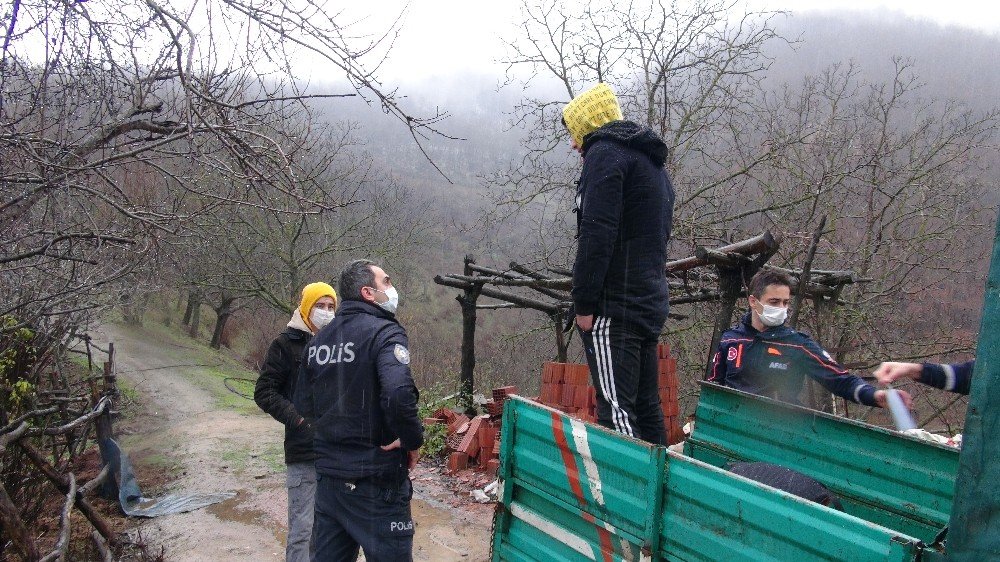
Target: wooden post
800 293
102 425
561 343
468 302
731 288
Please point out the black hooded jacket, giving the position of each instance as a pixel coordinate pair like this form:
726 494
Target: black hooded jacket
624 211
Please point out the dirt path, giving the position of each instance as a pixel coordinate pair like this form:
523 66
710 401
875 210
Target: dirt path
204 444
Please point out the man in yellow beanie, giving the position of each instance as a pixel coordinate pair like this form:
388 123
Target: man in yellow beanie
624 209
274 394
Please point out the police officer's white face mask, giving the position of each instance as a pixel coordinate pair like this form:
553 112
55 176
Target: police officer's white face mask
392 303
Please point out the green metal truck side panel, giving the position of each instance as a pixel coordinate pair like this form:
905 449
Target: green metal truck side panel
622 473
974 534
545 528
894 481
710 514
576 491
586 486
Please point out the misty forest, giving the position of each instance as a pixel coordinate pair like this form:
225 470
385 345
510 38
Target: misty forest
165 164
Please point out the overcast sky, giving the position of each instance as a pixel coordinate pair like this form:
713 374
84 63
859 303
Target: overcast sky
443 37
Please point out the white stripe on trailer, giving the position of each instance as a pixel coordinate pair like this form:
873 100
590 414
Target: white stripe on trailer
590 472
593 478
552 530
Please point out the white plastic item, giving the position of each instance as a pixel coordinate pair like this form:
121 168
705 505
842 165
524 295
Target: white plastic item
900 415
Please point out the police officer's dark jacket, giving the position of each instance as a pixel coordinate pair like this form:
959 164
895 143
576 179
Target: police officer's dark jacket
275 388
773 363
355 387
624 211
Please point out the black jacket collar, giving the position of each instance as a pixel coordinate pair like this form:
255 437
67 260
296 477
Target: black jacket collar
365 307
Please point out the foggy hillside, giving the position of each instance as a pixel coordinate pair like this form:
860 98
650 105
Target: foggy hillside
952 63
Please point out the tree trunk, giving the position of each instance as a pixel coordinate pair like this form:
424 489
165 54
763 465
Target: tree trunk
468 302
223 313
195 305
192 302
562 344
131 316
730 287
820 398
800 292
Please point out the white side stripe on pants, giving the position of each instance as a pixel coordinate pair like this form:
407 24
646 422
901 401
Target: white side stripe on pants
606 374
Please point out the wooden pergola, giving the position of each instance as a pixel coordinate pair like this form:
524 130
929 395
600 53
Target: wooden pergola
710 275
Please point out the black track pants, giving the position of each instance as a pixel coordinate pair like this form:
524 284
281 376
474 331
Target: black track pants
623 369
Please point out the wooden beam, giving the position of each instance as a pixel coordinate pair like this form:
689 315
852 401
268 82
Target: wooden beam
762 243
468 302
723 259
508 282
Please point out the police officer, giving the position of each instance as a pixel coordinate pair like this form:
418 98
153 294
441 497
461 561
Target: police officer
355 388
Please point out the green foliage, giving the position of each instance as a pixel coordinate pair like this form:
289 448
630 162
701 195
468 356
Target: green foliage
22 389
17 357
435 438
431 398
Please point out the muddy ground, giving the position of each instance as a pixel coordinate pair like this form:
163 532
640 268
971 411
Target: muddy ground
189 434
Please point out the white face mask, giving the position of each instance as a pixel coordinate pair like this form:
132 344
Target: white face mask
772 315
393 302
320 317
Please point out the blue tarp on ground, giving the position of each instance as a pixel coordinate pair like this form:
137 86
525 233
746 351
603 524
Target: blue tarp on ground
121 484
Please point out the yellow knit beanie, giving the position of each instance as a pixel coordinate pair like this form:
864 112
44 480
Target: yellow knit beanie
310 294
590 111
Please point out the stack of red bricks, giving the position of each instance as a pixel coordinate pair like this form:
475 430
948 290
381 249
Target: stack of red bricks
474 442
566 387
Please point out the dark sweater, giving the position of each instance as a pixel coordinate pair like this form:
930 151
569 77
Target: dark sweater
624 211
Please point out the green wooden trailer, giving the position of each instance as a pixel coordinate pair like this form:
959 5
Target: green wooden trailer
576 491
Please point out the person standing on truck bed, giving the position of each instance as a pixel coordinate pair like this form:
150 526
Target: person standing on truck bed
762 356
956 377
355 384
274 393
624 206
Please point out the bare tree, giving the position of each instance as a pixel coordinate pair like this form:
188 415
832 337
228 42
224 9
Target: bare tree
900 179
256 255
106 104
897 175
692 73
123 128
